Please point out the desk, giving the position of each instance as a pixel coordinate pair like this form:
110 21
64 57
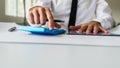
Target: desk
14 55
26 37
24 50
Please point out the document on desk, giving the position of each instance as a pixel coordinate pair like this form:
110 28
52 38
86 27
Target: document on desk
112 32
64 39
115 30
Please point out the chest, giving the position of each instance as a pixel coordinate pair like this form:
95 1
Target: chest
67 3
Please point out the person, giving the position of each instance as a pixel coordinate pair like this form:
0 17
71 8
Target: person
93 16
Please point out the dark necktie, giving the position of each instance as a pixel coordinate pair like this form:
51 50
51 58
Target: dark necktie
73 13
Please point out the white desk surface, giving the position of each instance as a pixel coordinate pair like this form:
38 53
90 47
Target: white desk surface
23 50
58 56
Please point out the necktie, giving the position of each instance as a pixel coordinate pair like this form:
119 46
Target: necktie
73 13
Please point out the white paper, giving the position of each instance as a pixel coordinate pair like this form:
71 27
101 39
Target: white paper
115 30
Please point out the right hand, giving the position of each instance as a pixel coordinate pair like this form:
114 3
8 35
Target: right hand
39 15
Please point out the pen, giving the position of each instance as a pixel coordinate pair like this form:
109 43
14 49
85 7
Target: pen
57 20
12 29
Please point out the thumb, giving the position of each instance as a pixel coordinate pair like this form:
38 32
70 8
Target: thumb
57 25
74 27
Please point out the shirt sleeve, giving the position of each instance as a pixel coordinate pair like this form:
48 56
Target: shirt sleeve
104 14
43 3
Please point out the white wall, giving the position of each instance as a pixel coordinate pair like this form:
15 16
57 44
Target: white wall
5 18
114 4
2 9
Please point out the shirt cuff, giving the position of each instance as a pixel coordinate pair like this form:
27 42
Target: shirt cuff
103 24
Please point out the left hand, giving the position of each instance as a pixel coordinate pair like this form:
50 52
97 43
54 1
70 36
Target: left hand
91 27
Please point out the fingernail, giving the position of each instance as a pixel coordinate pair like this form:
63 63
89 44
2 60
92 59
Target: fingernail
50 28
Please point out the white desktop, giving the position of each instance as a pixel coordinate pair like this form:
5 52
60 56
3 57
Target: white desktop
24 50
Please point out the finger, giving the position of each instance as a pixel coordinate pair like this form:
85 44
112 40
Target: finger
42 15
50 19
57 25
31 18
36 17
95 29
83 28
75 27
89 29
103 30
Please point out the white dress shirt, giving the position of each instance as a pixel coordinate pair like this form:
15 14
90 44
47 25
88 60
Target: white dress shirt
88 10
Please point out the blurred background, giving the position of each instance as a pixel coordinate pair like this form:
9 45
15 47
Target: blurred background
13 10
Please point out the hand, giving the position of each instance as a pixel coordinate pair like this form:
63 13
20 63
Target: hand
39 15
91 27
